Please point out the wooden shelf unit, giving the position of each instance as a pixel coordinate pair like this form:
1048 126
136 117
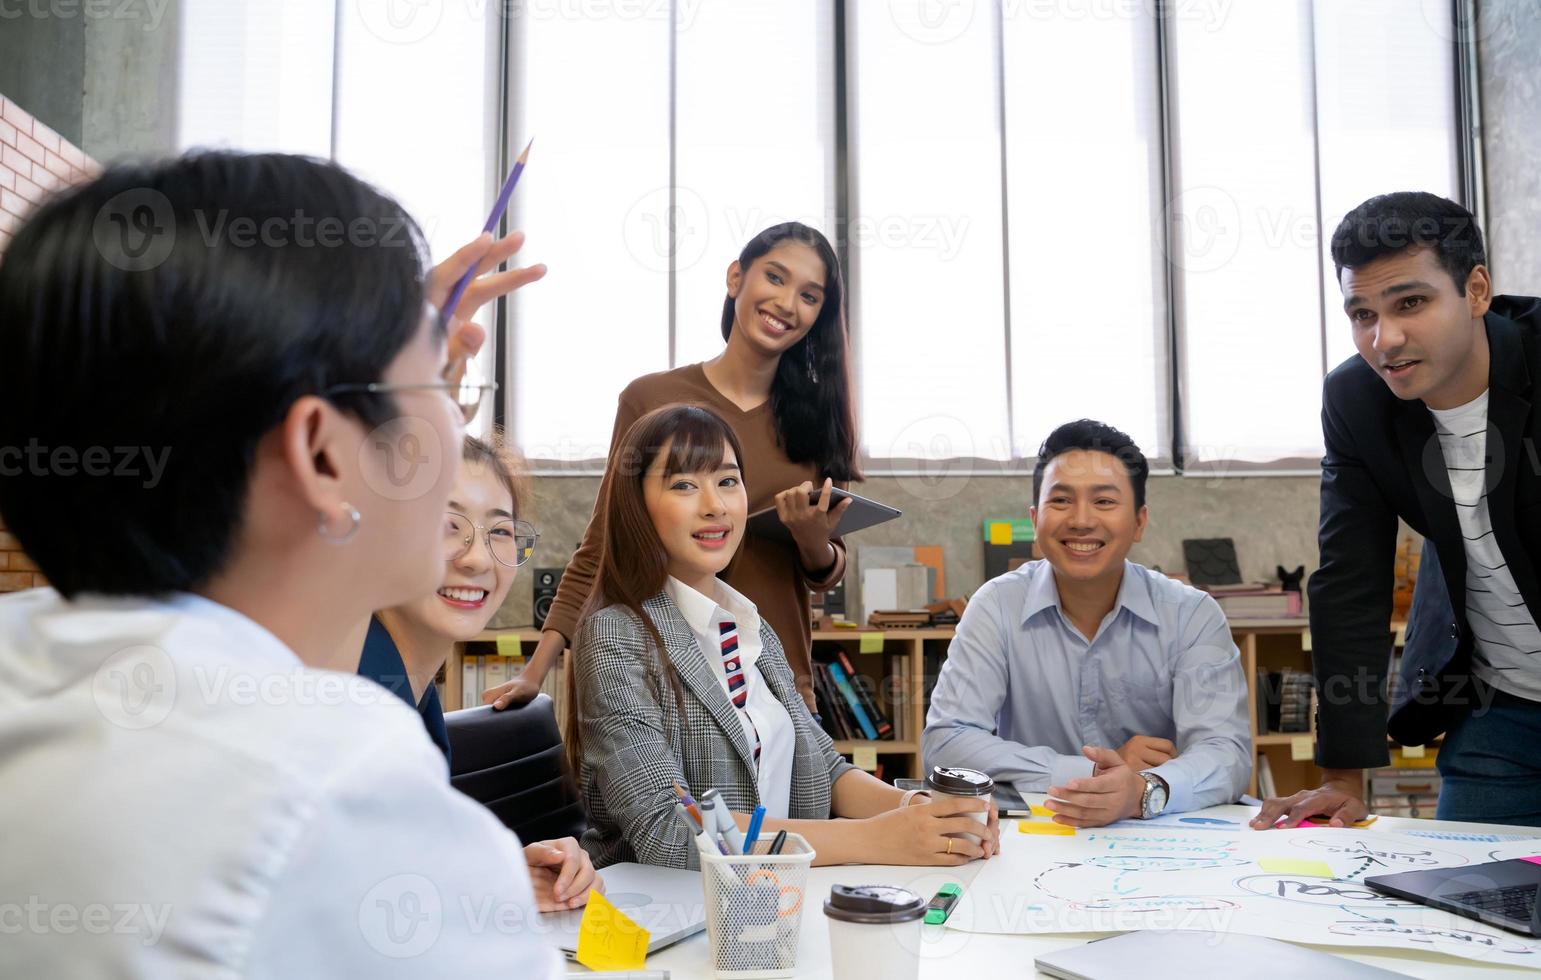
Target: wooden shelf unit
899 757
1273 644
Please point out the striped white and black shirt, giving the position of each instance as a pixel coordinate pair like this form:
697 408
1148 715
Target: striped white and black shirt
1507 651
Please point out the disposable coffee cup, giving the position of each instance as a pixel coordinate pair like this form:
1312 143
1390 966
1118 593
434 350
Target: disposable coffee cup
955 781
874 932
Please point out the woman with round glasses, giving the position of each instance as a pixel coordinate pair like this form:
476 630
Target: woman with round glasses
483 545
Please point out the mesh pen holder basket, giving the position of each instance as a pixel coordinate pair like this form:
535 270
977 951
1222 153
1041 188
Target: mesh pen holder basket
754 908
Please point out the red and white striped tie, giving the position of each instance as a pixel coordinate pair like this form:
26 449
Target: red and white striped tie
738 691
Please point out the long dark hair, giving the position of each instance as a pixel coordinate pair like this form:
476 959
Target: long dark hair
633 563
811 395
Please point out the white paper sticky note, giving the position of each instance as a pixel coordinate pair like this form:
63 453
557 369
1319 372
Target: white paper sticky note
879 590
1412 751
865 758
1302 749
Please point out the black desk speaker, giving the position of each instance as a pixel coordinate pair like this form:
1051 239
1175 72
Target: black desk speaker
545 583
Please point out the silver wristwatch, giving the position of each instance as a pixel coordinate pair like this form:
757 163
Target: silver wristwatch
1153 801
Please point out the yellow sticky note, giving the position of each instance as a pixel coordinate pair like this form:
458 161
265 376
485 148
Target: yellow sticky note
1301 749
871 642
509 646
1412 751
1296 866
1046 828
1041 811
608 939
1000 533
865 757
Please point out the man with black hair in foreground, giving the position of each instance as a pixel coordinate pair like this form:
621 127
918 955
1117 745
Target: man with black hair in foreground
1058 661
1434 423
196 781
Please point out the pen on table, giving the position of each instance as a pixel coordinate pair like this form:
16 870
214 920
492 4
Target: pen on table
779 842
731 835
753 834
498 208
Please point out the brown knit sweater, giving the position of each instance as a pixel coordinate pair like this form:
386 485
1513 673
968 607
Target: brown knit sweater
766 570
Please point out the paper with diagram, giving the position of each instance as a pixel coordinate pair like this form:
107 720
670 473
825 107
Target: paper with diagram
1298 885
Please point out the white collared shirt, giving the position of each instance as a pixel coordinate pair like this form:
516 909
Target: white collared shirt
763 713
183 797
1023 689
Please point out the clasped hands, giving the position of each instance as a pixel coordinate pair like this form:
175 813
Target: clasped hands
1115 788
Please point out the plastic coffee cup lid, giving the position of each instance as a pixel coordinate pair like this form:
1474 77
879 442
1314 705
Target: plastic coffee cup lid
876 904
959 782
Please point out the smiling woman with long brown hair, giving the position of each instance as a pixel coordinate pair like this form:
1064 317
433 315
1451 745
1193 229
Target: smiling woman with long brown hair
677 680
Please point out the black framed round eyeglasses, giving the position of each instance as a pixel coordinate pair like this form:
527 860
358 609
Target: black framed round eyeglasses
468 397
509 542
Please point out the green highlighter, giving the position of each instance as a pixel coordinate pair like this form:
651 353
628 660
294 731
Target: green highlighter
941 906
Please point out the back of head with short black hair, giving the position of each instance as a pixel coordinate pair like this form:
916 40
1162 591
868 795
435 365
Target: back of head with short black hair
155 323
1096 437
1393 223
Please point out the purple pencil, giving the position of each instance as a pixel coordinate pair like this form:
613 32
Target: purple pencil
498 208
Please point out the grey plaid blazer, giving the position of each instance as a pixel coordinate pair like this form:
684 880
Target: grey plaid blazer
636 744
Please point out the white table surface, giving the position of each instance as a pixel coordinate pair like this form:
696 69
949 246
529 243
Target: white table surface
948 953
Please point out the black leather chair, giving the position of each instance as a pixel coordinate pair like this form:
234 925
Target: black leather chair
512 762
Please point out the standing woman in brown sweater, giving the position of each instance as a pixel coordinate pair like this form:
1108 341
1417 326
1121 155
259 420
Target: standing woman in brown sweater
784 384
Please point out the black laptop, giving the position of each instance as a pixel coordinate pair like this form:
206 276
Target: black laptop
1500 893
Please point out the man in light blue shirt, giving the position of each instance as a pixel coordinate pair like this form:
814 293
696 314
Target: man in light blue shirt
1113 688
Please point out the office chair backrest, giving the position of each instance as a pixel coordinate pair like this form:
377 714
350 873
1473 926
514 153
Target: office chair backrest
512 762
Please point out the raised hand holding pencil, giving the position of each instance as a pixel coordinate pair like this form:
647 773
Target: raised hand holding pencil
466 281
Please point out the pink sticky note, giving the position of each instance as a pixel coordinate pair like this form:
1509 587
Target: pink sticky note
1533 859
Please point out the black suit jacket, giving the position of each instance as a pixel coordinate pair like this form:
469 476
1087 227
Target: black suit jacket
1383 462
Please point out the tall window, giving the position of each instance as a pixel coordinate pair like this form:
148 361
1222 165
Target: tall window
1048 210
404 95
1245 240
927 262
1088 309
1358 101
754 143
594 94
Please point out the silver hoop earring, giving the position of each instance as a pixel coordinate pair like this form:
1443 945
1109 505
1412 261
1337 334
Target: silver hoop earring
354 519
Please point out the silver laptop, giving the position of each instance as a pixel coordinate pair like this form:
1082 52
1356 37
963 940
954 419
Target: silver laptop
1194 955
667 902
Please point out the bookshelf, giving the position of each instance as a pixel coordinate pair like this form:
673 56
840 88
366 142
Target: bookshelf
903 702
896 674
1270 645
901 692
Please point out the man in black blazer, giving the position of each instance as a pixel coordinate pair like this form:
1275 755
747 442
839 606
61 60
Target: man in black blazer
1435 422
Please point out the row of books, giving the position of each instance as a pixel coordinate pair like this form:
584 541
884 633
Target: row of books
1254 600
848 703
1284 701
1409 787
478 673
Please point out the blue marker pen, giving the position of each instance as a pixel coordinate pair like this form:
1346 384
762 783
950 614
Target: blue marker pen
753 835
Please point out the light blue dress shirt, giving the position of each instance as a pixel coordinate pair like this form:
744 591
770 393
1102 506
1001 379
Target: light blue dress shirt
1022 689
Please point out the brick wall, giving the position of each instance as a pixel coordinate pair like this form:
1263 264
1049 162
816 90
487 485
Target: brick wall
33 162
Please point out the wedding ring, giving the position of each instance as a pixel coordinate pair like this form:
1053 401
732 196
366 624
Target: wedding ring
949 845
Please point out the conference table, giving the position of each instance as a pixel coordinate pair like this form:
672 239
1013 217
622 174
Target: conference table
950 953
